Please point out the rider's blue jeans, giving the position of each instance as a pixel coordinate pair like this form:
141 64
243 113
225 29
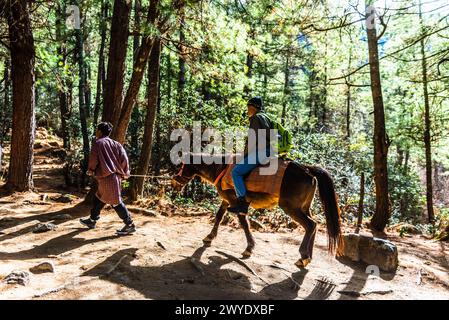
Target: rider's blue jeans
244 167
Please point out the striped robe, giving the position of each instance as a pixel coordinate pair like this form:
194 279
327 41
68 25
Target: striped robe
109 162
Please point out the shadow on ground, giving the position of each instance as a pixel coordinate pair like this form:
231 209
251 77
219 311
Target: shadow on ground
183 280
54 246
77 211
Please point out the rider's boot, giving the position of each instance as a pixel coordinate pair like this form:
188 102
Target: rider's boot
241 207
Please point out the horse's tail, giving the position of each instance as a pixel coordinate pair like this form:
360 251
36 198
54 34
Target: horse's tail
331 209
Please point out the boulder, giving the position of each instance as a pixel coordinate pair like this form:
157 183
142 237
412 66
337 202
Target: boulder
43 268
18 277
43 227
372 251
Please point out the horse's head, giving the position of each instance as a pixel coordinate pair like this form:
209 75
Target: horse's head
194 165
184 176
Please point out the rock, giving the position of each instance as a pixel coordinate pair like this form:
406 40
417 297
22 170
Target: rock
43 227
63 216
43 268
54 144
41 133
58 153
166 213
255 224
66 198
18 277
372 251
40 145
406 228
145 212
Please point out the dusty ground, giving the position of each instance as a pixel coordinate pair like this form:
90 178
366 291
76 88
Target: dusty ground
165 258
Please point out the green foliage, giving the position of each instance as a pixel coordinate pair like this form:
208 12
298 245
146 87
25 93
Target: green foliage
406 195
292 53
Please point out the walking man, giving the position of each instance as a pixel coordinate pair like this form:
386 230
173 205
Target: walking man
108 163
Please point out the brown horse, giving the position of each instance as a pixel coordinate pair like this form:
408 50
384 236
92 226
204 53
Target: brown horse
296 196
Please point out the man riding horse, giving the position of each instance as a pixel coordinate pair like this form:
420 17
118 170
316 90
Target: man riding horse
295 195
256 152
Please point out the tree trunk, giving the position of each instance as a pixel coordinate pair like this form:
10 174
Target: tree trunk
5 111
348 99
20 177
118 44
265 81
131 95
153 97
157 161
400 158
407 157
169 79
249 65
62 94
182 64
136 40
286 96
87 88
135 116
382 214
436 176
427 130
101 62
136 79
157 142
361 200
79 50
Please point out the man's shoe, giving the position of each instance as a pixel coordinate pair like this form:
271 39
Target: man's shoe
127 229
241 207
88 222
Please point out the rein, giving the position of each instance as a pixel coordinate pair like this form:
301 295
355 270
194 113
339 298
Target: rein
180 176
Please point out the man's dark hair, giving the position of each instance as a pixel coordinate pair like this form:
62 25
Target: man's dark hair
105 128
256 102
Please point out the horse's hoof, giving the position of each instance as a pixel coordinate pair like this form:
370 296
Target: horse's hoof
302 263
247 253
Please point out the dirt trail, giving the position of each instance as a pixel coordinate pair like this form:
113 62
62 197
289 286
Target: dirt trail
165 258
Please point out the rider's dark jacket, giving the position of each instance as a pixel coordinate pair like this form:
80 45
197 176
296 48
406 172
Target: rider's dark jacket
258 122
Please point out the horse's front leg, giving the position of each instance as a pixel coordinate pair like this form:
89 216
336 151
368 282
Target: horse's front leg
218 218
249 237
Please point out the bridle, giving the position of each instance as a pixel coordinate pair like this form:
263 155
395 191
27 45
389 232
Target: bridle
180 178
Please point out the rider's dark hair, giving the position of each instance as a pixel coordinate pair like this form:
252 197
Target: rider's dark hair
257 102
105 128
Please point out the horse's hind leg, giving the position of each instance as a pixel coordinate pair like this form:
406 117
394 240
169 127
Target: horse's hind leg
218 218
306 247
243 219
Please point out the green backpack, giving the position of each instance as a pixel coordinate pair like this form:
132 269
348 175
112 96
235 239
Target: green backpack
285 141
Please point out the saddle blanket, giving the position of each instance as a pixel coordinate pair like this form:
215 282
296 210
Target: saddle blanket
257 182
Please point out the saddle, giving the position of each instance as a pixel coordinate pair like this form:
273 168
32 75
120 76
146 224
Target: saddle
257 181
